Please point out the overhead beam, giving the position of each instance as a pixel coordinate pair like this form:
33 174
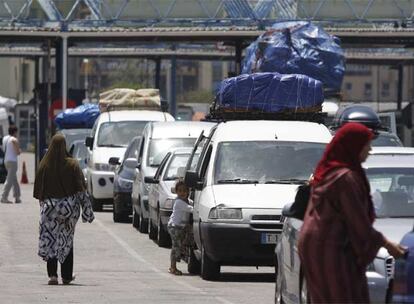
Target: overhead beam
50 9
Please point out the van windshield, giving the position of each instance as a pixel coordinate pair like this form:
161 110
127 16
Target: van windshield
119 133
392 191
158 148
266 162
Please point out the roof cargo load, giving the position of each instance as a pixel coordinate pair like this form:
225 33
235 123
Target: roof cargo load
270 93
142 99
83 116
298 47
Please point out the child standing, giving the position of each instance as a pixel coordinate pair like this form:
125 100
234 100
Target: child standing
177 223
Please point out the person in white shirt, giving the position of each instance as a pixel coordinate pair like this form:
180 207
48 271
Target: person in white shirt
11 150
177 223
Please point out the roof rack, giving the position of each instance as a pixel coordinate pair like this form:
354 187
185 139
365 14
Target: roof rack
310 114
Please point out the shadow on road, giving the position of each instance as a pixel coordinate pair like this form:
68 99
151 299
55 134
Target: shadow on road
247 277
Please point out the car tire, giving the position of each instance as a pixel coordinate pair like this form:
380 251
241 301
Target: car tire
120 217
152 231
163 237
194 265
96 204
135 219
210 270
143 224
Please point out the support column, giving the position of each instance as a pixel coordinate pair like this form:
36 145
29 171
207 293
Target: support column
158 73
239 50
64 85
400 86
173 86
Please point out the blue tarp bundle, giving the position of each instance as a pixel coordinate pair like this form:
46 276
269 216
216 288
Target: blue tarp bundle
269 92
298 48
83 116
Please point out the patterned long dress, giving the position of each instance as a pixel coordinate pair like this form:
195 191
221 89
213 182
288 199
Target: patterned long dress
337 240
58 218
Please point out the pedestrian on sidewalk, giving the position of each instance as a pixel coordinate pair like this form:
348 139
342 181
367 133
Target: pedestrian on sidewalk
177 224
60 188
11 150
337 239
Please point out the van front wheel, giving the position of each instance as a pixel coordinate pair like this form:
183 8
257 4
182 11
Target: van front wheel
96 204
210 270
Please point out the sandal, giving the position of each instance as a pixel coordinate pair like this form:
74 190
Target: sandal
174 271
66 282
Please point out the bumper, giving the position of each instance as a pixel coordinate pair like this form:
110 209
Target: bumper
165 217
123 202
236 244
145 211
102 184
378 286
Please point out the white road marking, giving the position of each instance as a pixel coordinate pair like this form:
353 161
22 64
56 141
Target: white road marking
141 259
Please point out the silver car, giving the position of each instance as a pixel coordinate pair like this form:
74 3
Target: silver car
160 196
390 172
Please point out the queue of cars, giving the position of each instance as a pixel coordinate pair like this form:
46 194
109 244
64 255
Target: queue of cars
241 174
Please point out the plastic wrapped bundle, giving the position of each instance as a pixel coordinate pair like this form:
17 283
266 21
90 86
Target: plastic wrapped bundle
269 93
83 116
298 47
121 98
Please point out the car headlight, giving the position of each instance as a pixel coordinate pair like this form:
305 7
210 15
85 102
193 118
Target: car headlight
147 187
124 184
169 202
104 167
220 213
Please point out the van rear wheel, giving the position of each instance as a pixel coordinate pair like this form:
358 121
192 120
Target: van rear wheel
163 238
135 219
210 270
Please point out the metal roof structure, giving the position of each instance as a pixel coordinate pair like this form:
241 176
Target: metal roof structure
71 15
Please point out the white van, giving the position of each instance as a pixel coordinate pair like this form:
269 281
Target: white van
246 173
109 138
157 140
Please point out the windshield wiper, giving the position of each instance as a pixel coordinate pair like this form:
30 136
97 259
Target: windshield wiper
237 181
286 181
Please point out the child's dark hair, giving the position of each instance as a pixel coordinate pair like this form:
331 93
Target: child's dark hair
179 184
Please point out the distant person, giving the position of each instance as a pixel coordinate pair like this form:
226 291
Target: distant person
11 150
60 188
179 219
337 239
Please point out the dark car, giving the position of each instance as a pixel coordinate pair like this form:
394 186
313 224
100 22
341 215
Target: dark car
123 179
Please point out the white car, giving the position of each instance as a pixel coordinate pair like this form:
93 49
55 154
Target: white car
157 140
109 138
161 196
390 171
246 173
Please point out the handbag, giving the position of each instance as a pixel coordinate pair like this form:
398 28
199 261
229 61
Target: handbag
297 209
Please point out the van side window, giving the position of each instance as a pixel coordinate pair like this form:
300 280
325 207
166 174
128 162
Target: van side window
141 150
206 161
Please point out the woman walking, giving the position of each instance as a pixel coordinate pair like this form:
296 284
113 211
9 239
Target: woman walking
337 240
60 188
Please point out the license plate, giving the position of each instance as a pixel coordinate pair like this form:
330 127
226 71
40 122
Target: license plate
269 238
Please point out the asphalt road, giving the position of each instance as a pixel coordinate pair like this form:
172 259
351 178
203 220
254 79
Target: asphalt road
113 264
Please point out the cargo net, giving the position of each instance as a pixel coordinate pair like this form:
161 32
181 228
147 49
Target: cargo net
269 96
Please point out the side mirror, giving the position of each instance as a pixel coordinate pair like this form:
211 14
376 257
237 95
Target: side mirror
89 142
114 161
150 180
131 163
192 180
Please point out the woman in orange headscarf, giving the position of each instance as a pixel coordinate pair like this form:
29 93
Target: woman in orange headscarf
60 188
337 239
